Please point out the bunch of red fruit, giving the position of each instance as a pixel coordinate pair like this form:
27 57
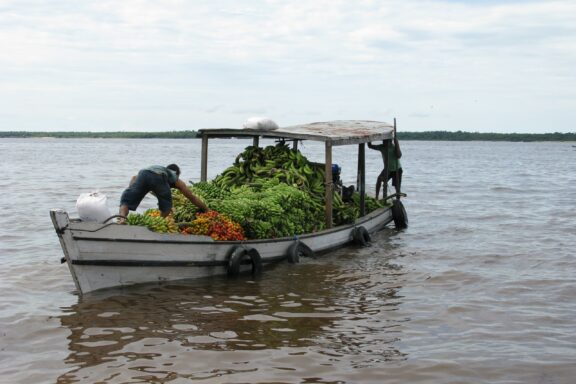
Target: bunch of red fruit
217 226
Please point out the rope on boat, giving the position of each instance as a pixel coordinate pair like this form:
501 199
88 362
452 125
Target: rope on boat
113 217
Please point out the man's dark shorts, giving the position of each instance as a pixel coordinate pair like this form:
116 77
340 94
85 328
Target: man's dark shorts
148 181
391 175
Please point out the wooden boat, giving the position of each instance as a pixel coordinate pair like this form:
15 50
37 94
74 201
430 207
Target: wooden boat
109 255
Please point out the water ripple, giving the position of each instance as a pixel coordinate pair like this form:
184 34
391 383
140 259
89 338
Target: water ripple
480 288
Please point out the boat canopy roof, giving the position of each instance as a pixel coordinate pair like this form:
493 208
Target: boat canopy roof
339 132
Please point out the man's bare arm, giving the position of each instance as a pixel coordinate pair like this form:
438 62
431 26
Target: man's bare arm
190 196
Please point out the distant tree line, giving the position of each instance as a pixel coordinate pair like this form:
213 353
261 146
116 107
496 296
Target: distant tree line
104 135
477 136
429 135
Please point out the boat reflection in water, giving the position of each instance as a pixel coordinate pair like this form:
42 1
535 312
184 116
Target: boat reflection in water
321 319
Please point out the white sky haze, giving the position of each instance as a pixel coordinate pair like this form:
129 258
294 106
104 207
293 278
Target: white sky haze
135 65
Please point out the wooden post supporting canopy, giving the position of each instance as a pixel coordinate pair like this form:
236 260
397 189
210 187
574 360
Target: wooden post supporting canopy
328 182
358 171
397 174
362 177
386 168
204 159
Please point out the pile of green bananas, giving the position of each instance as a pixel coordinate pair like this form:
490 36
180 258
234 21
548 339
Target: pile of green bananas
279 162
272 210
272 192
153 221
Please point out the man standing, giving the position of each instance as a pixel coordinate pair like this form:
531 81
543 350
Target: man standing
158 180
391 154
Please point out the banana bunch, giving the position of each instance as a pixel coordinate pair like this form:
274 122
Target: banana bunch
273 162
370 203
153 221
183 210
207 190
344 213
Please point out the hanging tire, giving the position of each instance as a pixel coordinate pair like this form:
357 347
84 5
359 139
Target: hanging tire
399 215
361 236
239 255
296 250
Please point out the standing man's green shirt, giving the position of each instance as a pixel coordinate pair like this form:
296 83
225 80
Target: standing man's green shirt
391 155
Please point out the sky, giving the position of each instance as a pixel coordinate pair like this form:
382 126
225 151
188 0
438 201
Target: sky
164 65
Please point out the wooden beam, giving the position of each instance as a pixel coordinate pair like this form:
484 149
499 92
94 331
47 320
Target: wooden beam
386 168
204 159
358 171
256 141
329 184
362 175
397 175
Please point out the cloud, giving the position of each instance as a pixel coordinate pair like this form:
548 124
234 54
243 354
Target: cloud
211 61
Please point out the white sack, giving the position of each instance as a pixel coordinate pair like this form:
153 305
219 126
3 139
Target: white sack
92 207
261 123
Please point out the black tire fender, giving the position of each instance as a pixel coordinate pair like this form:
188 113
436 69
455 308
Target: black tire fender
298 249
361 236
238 255
399 215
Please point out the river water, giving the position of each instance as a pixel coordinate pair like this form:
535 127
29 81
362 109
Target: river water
481 288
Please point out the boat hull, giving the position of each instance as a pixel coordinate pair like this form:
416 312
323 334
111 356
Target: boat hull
110 255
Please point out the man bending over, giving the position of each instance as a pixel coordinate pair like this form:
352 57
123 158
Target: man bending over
158 180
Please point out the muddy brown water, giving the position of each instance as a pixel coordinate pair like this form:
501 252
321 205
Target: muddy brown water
480 288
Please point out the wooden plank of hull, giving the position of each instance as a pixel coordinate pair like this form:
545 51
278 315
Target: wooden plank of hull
95 277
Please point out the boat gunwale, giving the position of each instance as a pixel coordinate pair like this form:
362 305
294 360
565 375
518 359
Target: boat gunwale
209 241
